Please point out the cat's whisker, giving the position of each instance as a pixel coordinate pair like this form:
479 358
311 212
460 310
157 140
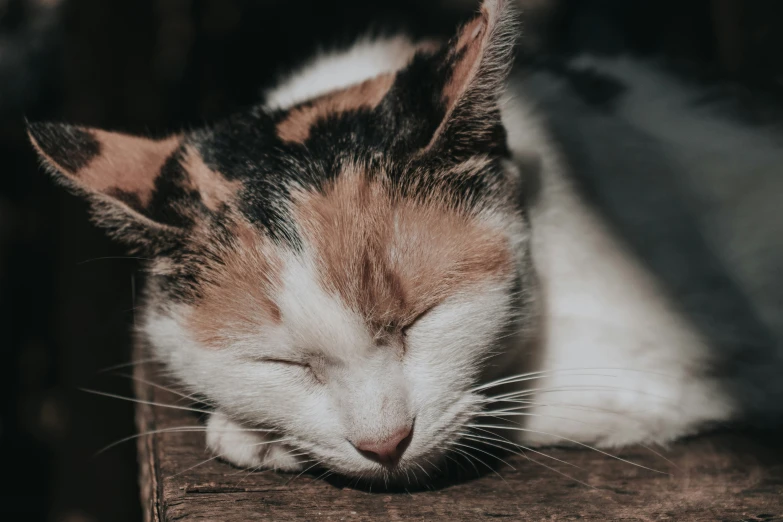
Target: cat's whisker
324 475
407 475
249 472
524 454
657 454
502 416
175 429
431 464
263 443
467 457
265 464
317 463
504 440
195 466
524 449
527 404
449 457
524 405
550 468
473 448
422 469
576 387
165 388
133 299
142 401
105 258
567 440
520 377
570 375
542 373
178 429
131 363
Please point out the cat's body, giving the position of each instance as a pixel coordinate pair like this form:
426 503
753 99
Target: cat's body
600 308
346 272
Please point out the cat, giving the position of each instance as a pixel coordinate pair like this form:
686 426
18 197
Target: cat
390 256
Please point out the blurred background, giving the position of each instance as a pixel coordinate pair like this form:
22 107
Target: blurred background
156 66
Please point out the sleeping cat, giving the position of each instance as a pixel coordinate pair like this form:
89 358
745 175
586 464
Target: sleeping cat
389 257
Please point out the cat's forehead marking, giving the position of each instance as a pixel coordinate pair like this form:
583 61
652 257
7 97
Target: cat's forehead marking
391 258
296 125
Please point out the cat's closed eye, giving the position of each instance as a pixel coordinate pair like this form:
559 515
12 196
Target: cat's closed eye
285 362
416 320
295 365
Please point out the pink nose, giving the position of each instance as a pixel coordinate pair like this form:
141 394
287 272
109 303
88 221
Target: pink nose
386 452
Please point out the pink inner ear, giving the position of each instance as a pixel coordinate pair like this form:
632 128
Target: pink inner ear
477 31
468 53
126 163
470 49
479 57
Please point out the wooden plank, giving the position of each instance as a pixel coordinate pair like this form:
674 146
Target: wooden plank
728 476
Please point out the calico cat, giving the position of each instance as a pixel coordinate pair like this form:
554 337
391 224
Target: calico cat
389 256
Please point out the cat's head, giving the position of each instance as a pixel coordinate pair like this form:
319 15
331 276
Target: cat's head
341 271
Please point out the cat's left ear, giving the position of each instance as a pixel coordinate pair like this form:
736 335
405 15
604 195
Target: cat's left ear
144 192
470 75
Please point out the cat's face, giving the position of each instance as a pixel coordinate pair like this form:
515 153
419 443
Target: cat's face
340 271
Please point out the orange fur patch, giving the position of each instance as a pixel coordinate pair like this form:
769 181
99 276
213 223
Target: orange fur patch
391 259
366 95
215 189
238 297
126 163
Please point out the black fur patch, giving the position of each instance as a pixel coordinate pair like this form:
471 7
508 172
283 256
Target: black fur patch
389 138
171 197
129 198
71 148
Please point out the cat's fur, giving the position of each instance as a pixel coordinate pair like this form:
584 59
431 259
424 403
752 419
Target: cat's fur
355 261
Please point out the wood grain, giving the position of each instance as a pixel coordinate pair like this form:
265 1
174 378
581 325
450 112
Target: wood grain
727 476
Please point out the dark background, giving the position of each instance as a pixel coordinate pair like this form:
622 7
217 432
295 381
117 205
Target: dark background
66 292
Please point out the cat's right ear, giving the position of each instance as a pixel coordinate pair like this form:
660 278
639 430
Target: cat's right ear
145 192
456 89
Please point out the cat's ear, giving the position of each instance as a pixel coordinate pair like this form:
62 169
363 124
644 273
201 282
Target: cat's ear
470 75
145 192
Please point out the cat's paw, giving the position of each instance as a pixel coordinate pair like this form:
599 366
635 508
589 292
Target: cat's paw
248 449
622 408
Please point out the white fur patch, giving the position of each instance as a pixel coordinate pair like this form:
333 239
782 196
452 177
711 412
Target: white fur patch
605 316
330 71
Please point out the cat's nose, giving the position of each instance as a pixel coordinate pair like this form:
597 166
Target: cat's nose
386 452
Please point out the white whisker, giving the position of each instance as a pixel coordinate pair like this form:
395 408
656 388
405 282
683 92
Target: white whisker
195 466
141 401
568 440
503 440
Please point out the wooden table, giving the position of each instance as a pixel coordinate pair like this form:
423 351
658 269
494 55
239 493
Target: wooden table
720 477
